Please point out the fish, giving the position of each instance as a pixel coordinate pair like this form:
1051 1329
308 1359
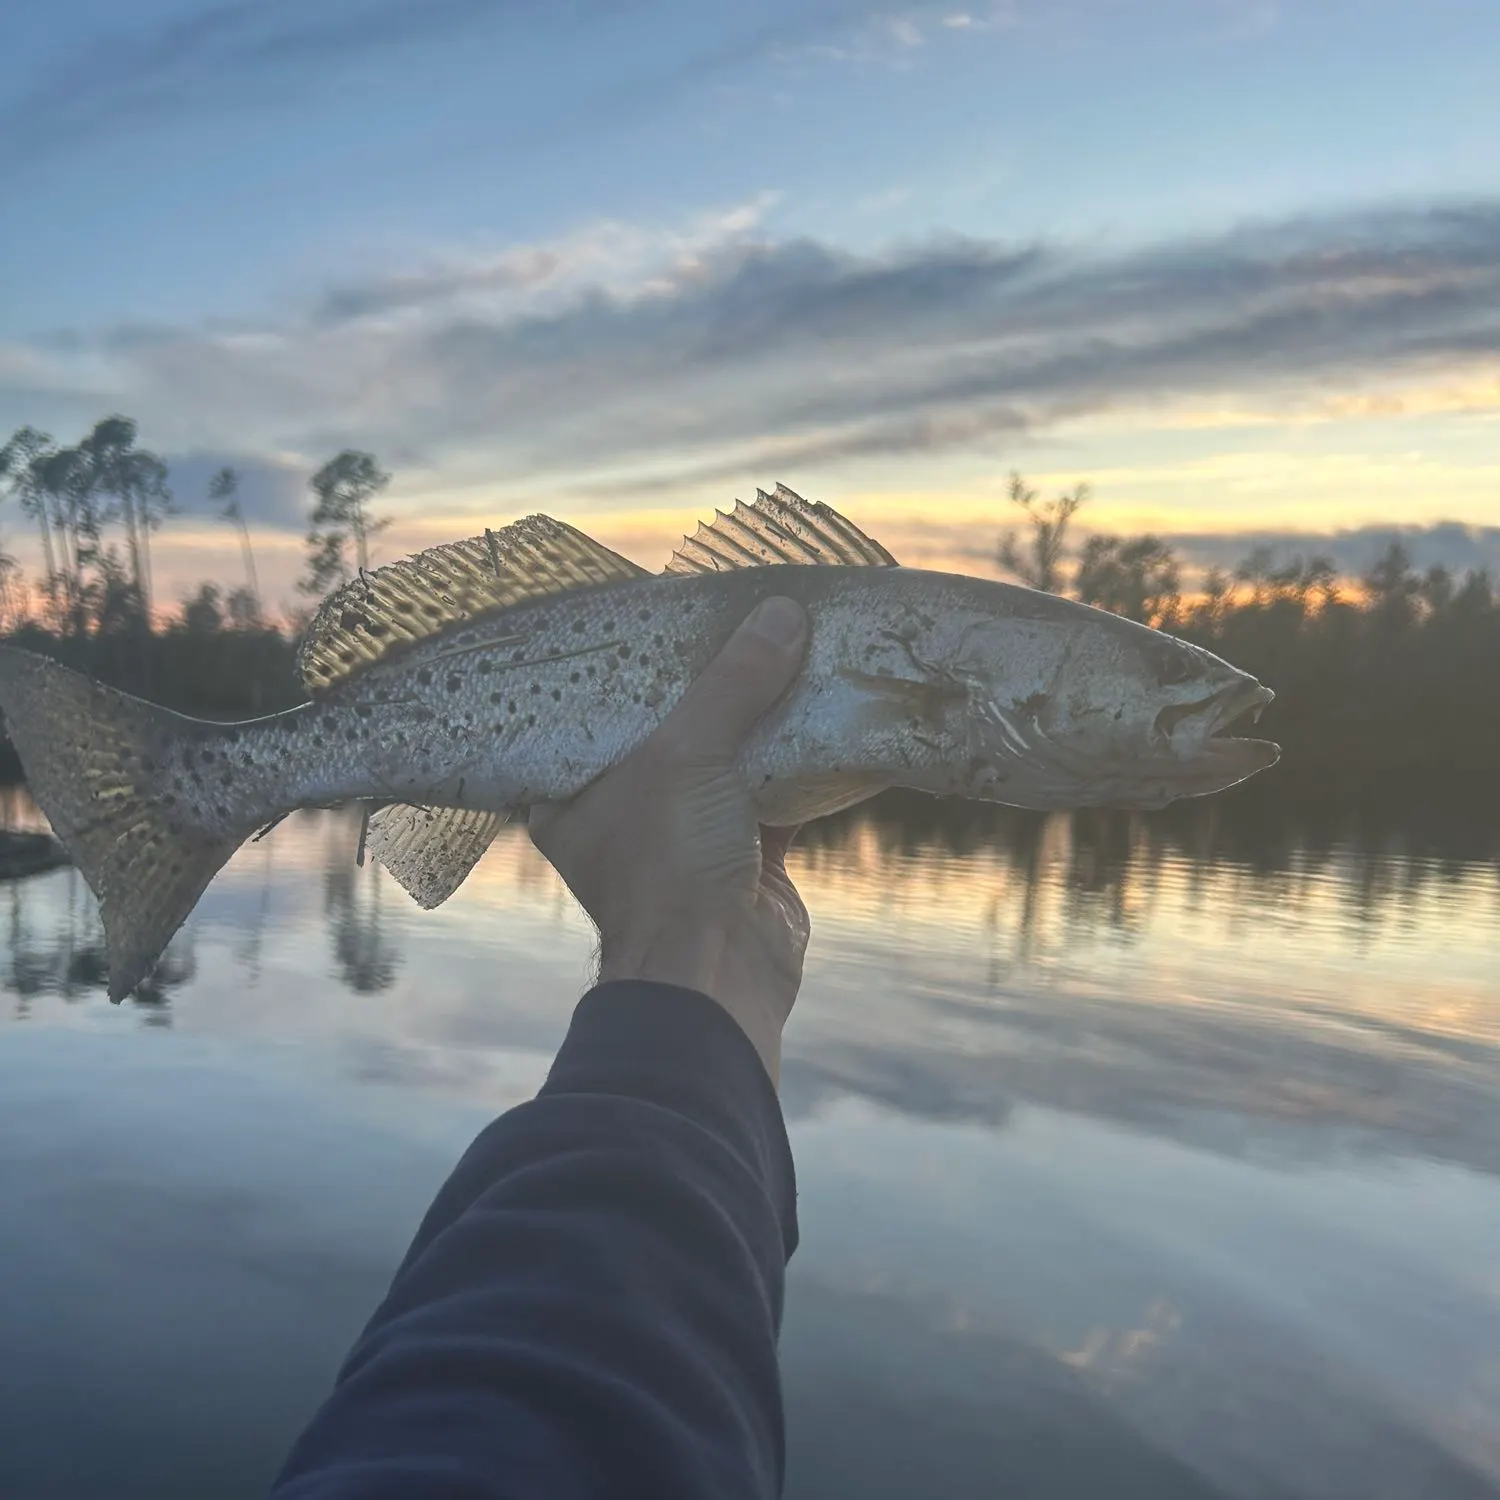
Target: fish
457 689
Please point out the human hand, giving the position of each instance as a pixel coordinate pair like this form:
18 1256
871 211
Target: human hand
664 852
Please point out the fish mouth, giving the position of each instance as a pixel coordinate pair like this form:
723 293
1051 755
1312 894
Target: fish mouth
1209 758
1207 719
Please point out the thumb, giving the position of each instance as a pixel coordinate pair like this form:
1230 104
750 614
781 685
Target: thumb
753 670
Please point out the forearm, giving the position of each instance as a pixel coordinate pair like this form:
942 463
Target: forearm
591 1306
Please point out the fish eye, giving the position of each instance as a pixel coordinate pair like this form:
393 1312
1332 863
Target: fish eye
1176 667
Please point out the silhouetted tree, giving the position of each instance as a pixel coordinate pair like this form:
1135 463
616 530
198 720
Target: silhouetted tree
65 477
1393 587
1037 561
225 487
21 471
136 482
1133 576
203 614
343 488
243 609
1436 589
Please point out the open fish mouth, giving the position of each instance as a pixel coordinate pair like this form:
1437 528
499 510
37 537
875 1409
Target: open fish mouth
1230 708
1210 717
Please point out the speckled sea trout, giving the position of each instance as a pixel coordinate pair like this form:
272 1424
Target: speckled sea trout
460 687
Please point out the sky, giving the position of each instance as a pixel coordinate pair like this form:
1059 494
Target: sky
1233 263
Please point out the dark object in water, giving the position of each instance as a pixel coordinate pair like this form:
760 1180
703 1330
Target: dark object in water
23 854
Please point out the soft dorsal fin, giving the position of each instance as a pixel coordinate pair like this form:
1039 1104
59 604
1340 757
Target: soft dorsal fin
430 850
779 528
407 601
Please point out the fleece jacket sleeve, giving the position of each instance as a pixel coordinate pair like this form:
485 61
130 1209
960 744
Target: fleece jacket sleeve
591 1306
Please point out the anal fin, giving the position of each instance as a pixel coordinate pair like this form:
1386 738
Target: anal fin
430 850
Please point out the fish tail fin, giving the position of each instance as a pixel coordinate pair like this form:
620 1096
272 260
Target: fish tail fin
96 762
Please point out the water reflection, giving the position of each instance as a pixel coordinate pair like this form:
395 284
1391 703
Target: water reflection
1140 1155
1227 974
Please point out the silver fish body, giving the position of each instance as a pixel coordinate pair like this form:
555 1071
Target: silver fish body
943 683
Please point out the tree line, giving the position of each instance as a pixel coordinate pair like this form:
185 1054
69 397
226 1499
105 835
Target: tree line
95 507
1397 672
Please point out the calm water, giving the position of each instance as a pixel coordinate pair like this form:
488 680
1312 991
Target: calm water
1137 1157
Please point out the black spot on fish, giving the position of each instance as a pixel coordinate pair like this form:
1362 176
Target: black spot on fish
485 667
495 697
351 735
518 656
510 707
657 641
643 614
454 682
573 676
624 652
1032 707
226 778
352 619
578 627
536 687
330 723
169 799
221 810
425 676
363 710
195 778
531 721
590 671
635 697
557 695
317 742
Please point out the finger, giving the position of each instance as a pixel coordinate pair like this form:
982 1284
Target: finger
753 670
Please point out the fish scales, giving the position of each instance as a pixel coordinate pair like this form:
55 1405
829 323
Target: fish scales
484 678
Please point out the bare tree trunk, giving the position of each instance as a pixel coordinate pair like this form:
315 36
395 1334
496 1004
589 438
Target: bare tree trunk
250 575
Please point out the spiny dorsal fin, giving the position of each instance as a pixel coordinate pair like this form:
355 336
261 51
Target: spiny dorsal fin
779 528
430 850
407 601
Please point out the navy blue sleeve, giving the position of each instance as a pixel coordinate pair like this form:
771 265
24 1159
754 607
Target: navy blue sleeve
591 1305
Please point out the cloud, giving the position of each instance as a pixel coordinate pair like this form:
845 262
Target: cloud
224 54
654 361
272 494
1451 544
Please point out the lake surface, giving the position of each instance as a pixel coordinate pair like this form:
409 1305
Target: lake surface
1138 1157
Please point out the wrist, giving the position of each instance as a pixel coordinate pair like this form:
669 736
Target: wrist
690 962
698 964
